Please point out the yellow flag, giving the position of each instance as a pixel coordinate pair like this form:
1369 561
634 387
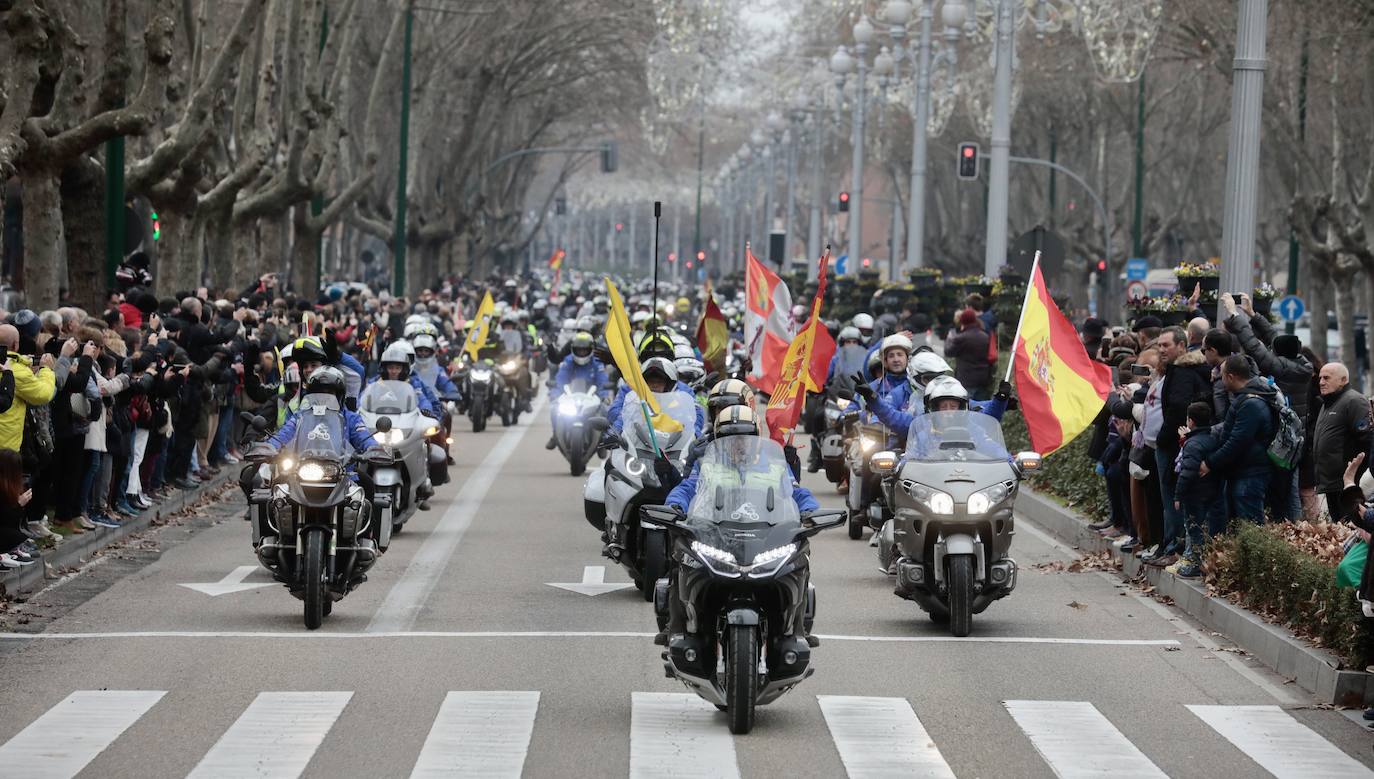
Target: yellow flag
622 348
481 323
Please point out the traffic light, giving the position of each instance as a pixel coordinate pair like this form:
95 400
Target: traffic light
968 160
844 202
1101 266
157 226
610 157
672 256
701 257
619 226
868 262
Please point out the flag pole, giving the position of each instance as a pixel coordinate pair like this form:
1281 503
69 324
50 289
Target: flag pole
1016 339
658 215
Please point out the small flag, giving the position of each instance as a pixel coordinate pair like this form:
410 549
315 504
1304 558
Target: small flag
713 333
798 368
481 324
556 261
621 345
767 322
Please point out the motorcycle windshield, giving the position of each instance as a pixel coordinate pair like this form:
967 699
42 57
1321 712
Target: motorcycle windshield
388 397
678 405
849 360
512 342
955 436
577 385
743 503
319 429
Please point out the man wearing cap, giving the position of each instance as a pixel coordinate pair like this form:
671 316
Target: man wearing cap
968 348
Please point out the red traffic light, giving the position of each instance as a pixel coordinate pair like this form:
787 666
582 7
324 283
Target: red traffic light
844 197
672 256
970 152
689 265
701 256
619 226
1101 265
867 262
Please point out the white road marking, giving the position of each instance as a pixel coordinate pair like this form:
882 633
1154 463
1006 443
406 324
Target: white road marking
232 582
274 737
1280 744
593 582
676 735
68 736
407 597
881 737
318 636
479 734
1077 741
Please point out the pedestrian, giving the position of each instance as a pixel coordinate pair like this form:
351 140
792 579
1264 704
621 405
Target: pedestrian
1341 430
968 348
1186 380
1198 496
14 498
1249 427
1198 328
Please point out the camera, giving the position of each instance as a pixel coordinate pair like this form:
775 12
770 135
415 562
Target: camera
1140 370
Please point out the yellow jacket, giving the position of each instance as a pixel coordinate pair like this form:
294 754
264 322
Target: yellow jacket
30 387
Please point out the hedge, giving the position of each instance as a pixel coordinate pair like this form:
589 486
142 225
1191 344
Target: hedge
1262 572
1067 474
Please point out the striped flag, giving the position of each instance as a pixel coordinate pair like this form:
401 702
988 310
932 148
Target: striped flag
1060 387
799 366
713 333
767 322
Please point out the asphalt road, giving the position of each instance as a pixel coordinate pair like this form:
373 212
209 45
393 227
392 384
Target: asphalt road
459 658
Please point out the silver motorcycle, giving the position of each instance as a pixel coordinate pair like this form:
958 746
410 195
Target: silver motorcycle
391 411
952 494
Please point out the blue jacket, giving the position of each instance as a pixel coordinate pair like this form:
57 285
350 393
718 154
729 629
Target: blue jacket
1246 433
618 405
682 494
593 373
358 434
1194 489
349 363
424 396
900 420
442 385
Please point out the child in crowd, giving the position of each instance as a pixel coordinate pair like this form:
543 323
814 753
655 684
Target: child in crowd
1198 496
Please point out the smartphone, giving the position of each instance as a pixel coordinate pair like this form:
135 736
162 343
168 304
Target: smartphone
1140 370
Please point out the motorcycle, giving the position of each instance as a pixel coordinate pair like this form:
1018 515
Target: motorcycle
408 434
864 498
743 574
633 479
831 440
325 524
577 439
508 394
953 495
480 391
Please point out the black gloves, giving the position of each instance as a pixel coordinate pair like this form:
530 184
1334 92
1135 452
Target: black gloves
862 389
666 472
1003 390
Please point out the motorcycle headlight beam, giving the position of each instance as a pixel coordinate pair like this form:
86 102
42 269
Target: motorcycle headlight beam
567 407
867 443
312 472
719 561
983 500
635 466
937 501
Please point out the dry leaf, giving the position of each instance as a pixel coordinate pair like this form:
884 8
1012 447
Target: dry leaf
1076 605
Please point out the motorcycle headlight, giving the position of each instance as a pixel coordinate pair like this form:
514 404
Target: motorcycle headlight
318 472
432 431
509 365
477 375
938 502
286 465
712 554
767 563
866 443
635 466
843 403
982 501
392 437
567 407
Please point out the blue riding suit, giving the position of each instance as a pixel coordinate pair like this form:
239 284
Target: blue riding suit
593 373
682 494
424 396
358 435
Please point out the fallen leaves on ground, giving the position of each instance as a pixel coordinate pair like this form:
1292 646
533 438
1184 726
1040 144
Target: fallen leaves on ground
1076 605
1101 561
1323 540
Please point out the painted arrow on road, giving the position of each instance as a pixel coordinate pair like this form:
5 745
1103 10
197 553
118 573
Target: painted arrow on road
593 582
229 584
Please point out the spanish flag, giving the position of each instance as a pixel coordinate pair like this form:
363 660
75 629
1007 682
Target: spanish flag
785 404
556 261
622 348
481 325
1060 387
713 333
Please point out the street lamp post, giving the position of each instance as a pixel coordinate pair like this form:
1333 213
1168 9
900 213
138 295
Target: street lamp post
841 64
998 172
798 114
1242 158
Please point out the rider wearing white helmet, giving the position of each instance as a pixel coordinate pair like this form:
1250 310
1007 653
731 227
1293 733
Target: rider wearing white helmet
864 322
396 365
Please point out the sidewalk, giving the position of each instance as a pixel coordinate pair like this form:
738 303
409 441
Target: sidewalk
75 551
1313 669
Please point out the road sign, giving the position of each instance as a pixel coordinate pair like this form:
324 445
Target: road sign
1136 289
840 263
1137 268
1291 308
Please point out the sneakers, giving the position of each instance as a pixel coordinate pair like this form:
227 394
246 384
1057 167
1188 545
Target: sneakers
1185 569
1150 554
84 523
1162 561
1103 525
1111 532
185 484
40 529
104 521
231 459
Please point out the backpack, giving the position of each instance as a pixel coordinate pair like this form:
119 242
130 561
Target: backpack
37 447
1285 448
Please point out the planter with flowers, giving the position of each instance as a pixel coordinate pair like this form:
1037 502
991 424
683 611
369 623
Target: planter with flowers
925 278
971 284
1263 299
1011 276
1190 275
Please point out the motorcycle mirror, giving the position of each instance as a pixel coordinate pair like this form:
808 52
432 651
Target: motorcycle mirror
884 463
258 423
1028 461
660 515
599 424
384 425
823 520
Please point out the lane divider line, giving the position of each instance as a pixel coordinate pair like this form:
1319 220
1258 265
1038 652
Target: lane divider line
408 595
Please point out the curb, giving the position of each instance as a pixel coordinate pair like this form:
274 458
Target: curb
1315 670
76 551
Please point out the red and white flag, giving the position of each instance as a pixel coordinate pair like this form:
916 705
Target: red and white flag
767 322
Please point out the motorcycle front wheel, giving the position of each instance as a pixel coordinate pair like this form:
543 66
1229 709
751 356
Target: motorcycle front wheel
478 412
856 525
961 595
315 591
741 676
655 562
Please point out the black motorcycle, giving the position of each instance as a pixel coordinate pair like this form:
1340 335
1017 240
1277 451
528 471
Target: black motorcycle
480 393
319 537
742 569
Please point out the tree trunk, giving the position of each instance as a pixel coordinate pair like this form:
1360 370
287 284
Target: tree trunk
247 253
1319 301
83 193
220 254
304 256
273 245
182 255
45 271
1345 319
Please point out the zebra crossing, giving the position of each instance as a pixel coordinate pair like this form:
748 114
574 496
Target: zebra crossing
488 734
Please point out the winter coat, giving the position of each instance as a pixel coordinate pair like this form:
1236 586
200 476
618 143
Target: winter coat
1221 397
968 348
1247 432
1341 431
73 379
1292 374
108 388
30 388
1192 488
1186 380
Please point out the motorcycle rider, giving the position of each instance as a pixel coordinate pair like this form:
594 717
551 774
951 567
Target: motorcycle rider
513 346
732 421
580 365
725 393
941 391
947 394
656 358
864 324
849 357
892 386
427 366
395 366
